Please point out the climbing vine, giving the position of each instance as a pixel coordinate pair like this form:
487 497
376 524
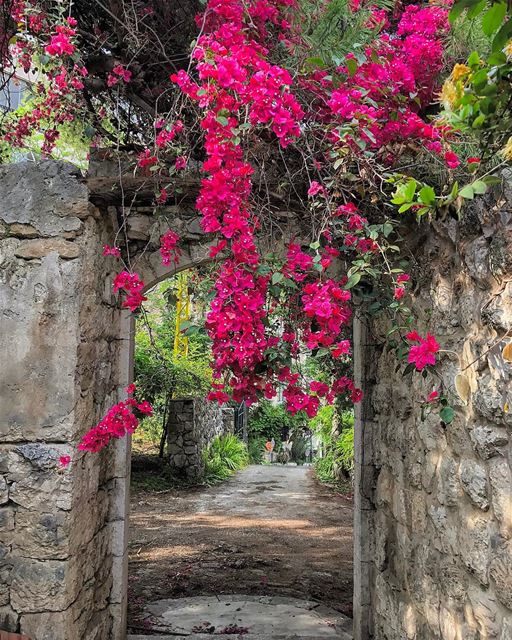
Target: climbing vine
351 136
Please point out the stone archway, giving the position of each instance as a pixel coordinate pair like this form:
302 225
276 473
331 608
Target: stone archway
433 523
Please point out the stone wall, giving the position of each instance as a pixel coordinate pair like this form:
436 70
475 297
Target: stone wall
434 500
59 348
433 503
192 425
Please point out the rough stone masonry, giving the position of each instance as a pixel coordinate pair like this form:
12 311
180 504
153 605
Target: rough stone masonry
432 537
435 499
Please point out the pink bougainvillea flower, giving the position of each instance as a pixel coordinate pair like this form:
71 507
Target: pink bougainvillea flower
315 188
145 408
433 396
217 248
403 277
60 45
130 389
162 196
181 163
122 72
474 160
146 159
133 286
64 461
169 249
399 293
341 348
451 159
119 421
424 353
111 251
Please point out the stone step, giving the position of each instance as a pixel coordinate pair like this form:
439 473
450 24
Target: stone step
249 636
263 618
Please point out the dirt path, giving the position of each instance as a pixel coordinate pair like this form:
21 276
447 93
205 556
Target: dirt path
270 530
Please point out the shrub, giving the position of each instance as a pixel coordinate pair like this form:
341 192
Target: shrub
269 421
338 459
225 455
345 448
299 446
256 449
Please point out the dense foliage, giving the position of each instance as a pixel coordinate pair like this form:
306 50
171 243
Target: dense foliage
349 139
225 455
337 459
161 374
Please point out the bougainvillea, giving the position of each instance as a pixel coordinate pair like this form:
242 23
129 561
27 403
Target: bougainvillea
267 313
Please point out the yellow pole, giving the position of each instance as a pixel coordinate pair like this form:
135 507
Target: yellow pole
182 315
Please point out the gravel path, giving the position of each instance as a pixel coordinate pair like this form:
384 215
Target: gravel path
269 531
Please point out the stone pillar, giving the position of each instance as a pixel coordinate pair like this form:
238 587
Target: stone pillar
365 429
192 425
60 349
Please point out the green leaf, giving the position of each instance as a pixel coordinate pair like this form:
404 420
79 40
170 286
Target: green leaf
447 414
315 245
490 180
473 59
458 8
493 19
477 9
410 189
427 195
502 37
479 186
467 192
263 270
315 62
277 277
222 120
351 66
478 121
387 229
406 207
353 280
479 78
497 59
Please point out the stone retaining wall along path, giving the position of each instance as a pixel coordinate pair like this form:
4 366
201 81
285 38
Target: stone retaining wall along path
193 423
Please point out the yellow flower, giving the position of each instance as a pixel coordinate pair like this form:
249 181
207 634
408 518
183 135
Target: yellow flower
449 94
459 71
506 152
508 49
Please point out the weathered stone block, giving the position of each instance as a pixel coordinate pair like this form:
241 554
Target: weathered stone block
501 483
488 440
474 538
8 619
473 477
30 249
449 487
43 586
501 572
4 491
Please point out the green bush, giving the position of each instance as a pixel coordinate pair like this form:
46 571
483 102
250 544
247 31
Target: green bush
225 455
256 449
345 448
299 446
269 420
338 458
